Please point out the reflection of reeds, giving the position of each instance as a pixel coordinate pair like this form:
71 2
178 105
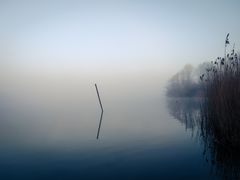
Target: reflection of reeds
186 110
221 84
225 162
194 113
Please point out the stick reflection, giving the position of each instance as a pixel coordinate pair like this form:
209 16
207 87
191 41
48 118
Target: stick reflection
100 123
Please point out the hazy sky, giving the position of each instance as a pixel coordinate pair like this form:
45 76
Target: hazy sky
92 36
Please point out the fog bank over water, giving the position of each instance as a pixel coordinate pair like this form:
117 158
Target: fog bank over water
62 106
66 86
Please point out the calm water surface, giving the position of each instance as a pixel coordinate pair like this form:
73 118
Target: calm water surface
49 129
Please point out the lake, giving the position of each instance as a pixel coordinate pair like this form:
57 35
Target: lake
49 128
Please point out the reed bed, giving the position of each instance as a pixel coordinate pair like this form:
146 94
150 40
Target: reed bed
221 108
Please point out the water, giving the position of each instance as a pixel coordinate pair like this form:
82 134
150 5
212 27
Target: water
49 129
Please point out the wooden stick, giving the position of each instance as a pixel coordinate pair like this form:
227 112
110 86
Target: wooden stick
99 97
100 102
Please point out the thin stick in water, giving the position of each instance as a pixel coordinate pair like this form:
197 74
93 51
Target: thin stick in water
100 102
99 97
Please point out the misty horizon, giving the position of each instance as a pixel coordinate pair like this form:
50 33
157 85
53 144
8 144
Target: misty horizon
166 73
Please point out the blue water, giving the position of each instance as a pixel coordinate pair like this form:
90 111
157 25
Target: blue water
51 134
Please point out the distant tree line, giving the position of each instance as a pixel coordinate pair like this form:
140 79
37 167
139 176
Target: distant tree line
186 83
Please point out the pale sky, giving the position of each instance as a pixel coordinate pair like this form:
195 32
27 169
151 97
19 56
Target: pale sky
92 36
